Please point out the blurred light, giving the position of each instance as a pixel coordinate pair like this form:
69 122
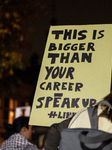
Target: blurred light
11 104
11 116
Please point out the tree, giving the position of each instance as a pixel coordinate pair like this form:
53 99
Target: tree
14 31
13 34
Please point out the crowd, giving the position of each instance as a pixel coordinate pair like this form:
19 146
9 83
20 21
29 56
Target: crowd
18 135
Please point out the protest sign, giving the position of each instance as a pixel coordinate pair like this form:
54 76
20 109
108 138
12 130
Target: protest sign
23 111
75 72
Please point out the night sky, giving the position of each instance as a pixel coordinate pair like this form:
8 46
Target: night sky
67 12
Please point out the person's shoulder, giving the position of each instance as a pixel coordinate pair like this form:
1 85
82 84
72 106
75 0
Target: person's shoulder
31 146
80 115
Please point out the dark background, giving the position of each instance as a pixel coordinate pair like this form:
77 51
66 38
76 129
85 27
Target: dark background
68 12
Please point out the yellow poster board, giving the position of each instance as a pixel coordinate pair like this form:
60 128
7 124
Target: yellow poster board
75 72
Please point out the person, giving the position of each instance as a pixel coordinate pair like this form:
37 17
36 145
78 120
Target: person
104 117
53 137
18 135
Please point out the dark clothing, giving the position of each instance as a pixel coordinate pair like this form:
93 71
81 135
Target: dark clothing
53 136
